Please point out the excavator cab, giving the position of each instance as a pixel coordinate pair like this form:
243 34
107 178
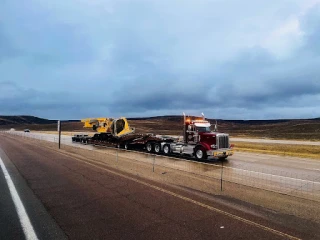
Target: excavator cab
98 124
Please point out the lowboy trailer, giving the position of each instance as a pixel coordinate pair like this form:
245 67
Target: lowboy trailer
198 141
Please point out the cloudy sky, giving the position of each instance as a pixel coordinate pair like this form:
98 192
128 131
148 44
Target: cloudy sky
231 59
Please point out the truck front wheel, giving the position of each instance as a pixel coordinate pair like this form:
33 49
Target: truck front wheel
200 154
166 149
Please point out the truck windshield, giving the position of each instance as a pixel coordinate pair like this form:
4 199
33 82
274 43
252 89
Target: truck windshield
203 129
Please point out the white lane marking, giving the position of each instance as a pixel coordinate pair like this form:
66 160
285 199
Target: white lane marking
272 175
312 169
22 214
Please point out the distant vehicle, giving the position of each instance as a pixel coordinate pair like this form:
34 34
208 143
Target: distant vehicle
26 130
79 137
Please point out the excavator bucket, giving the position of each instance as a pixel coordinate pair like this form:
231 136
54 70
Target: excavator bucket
120 127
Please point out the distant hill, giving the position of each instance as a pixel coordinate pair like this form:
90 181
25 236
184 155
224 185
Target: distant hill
31 122
304 129
25 119
13 120
250 122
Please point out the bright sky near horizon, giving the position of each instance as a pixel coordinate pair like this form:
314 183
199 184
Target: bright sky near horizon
230 59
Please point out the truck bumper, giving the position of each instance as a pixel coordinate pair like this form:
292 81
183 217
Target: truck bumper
220 153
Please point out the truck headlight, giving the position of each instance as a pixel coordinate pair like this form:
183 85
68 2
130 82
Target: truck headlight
213 146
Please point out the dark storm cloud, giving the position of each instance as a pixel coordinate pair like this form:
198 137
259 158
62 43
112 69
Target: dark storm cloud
254 79
7 49
82 58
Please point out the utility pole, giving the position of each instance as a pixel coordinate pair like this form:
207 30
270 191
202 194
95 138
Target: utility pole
221 175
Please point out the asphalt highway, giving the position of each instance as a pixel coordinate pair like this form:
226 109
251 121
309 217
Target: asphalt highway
23 215
66 197
294 176
278 165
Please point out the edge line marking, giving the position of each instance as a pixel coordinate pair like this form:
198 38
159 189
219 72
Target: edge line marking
22 214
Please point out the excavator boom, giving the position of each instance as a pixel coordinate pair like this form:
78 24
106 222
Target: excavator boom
117 127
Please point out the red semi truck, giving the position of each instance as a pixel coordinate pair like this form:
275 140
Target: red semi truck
198 141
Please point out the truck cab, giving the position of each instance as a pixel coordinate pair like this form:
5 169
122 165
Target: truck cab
200 141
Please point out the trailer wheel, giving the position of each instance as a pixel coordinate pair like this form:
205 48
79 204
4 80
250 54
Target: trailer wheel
166 149
200 154
126 146
149 147
157 148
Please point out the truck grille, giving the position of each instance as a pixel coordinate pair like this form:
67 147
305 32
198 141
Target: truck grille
223 141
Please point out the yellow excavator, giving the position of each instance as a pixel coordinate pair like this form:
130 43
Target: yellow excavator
117 127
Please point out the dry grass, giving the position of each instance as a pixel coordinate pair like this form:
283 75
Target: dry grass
304 151
308 130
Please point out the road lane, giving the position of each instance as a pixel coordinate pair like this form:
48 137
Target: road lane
22 214
10 227
288 175
26 225
302 168
266 163
90 202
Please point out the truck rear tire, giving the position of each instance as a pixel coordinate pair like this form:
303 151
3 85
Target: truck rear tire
149 147
166 149
200 154
157 148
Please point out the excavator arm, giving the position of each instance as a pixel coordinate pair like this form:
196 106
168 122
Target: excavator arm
117 127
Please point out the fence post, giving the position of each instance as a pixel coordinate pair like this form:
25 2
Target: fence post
117 156
221 179
59 132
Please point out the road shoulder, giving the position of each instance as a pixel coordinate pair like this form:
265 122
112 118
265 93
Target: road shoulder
44 225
